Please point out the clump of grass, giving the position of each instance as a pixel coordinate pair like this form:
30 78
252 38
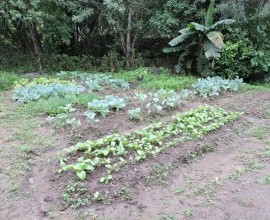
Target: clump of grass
7 80
261 132
162 79
188 213
159 174
75 194
236 174
256 87
264 181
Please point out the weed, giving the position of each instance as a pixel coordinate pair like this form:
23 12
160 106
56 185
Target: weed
83 215
264 181
261 132
7 80
163 80
75 194
241 129
104 199
158 174
188 213
13 189
179 191
168 217
256 87
266 153
254 165
236 174
126 194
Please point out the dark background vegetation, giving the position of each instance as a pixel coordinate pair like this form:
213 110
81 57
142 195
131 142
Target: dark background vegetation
111 35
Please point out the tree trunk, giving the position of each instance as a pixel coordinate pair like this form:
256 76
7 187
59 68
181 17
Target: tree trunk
128 43
34 37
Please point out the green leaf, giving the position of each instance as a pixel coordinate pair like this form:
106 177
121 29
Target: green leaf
217 38
210 50
197 27
180 39
222 23
171 49
81 175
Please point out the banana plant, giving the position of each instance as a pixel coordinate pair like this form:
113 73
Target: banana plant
200 45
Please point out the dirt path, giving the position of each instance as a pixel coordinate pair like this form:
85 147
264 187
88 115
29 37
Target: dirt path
228 182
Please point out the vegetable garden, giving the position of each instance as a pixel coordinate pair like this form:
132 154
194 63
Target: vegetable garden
110 127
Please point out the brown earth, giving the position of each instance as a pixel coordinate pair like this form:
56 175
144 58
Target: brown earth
214 178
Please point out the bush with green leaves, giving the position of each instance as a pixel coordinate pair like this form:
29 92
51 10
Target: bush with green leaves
213 86
104 106
36 92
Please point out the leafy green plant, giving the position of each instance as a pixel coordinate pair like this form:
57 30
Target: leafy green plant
162 100
36 92
212 86
134 114
203 43
104 106
63 120
97 81
91 116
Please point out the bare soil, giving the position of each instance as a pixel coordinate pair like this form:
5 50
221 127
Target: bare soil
200 178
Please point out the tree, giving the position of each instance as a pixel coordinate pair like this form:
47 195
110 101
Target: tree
200 45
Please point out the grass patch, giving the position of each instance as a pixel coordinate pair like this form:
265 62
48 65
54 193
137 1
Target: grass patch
7 80
236 174
264 181
52 105
158 174
160 80
261 132
75 194
256 87
188 213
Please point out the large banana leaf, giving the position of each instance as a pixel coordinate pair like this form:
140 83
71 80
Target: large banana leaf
211 50
222 23
197 27
180 39
217 38
171 49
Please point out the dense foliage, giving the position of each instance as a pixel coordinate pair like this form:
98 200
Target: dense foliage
110 35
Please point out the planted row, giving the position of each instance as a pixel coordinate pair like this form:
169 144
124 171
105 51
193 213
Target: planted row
116 150
212 86
36 92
